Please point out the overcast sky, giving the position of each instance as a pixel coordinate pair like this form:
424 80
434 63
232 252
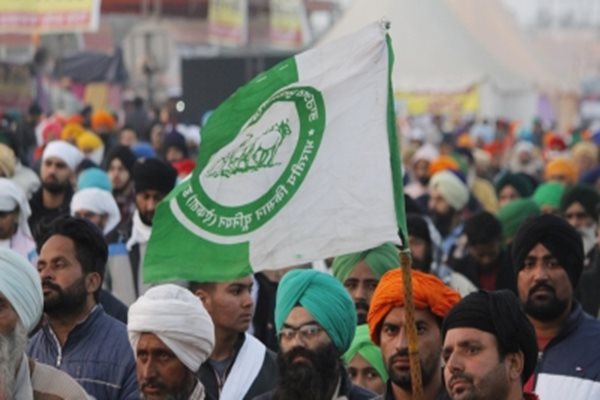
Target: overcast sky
524 10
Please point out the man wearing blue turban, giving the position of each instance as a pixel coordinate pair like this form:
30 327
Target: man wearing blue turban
315 321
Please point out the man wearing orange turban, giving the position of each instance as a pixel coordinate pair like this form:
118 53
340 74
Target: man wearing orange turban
103 122
432 299
563 170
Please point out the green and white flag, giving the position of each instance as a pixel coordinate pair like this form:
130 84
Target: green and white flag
298 165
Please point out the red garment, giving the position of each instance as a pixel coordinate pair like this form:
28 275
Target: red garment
487 280
542 343
530 396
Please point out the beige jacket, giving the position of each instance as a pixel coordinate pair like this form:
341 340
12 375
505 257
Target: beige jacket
49 383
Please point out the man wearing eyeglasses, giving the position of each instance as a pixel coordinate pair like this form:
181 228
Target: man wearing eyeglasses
548 255
315 320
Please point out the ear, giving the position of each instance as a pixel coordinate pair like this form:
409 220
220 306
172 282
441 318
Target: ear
103 220
205 297
73 179
93 281
515 362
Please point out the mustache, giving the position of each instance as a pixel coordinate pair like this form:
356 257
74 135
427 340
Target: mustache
402 353
154 382
460 375
299 351
51 285
541 286
362 305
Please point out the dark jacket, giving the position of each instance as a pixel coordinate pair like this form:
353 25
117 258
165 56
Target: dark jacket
264 382
113 306
588 289
264 314
569 366
389 395
505 277
96 353
42 216
352 392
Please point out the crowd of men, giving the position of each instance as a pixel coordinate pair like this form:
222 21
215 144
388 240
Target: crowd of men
503 235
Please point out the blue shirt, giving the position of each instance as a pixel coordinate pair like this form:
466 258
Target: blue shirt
96 353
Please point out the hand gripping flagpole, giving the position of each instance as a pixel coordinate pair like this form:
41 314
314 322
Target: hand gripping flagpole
405 258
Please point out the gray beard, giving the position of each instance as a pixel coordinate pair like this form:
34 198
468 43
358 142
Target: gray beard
12 349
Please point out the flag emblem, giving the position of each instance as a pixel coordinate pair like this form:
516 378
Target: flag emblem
267 148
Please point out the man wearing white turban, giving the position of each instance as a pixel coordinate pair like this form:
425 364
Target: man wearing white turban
420 162
14 229
59 163
448 197
98 206
172 334
21 303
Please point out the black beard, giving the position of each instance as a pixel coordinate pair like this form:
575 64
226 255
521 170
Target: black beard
362 317
122 189
313 378
146 218
443 222
548 311
404 380
424 180
422 265
55 187
69 301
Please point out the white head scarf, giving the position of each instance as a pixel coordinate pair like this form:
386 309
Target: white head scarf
12 196
426 152
70 154
98 201
178 318
454 191
20 284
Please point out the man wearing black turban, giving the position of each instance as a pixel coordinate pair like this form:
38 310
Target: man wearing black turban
578 206
489 348
548 255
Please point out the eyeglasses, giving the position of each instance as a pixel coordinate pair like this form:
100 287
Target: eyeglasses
307 332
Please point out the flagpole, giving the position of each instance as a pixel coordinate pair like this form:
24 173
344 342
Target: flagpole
405 259
410 325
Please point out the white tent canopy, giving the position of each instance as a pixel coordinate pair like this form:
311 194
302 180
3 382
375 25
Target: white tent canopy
492 25
436 52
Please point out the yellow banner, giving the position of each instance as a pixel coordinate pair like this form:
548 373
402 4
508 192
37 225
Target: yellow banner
49 16
16 87
288 24
228 22
457 103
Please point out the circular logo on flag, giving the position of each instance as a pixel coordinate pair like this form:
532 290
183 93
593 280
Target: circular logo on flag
246 182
